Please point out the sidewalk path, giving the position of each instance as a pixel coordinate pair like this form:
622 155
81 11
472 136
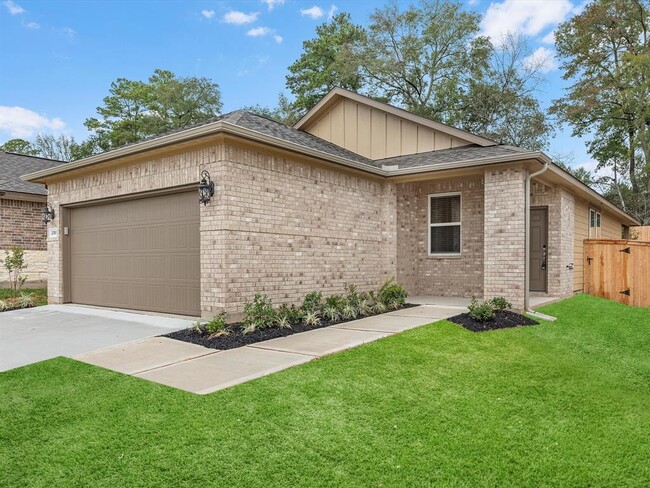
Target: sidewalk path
201 370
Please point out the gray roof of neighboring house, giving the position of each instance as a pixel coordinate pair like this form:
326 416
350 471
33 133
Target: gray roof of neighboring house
13 166
454 155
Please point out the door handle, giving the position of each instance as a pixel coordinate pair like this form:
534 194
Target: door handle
544 257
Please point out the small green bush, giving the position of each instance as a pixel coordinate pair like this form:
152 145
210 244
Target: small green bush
331 313
391 294
313 302
258 314
379 307
214 328
4 305
311 318
350 312
353 296
365 307
289 315
336 301
480 311
25 300
500 304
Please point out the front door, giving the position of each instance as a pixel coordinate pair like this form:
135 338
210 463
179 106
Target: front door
538 249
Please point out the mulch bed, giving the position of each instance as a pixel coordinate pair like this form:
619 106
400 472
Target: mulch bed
236 338
501 320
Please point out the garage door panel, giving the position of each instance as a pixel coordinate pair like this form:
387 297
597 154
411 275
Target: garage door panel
140 254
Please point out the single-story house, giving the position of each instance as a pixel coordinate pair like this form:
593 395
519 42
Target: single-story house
357 191
21 204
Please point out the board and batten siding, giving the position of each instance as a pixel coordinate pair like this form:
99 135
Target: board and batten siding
611 228
376 134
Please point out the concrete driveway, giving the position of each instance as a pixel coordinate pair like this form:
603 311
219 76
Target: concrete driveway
31 335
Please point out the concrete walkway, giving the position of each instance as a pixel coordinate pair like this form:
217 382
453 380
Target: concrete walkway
201 370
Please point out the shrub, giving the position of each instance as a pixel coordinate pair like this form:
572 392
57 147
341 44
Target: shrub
282 321
350 312
365 307
214 328
4 305
379 307
331 313
25 300
336 301
258 314
353 297
480 311
313 302
500 304
289 315
311 318
392 294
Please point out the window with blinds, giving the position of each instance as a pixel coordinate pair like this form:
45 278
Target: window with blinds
444 224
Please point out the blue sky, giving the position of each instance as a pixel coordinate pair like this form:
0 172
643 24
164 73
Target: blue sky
58 58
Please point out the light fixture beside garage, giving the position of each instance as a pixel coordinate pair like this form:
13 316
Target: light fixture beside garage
206 188
47 214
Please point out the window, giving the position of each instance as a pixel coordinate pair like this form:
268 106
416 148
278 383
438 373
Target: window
444 224
594 224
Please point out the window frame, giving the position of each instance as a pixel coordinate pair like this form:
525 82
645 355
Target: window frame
446 224
598 229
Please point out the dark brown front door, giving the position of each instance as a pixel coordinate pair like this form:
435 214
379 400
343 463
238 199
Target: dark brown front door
538 249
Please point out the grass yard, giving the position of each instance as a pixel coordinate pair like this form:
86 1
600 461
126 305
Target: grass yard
559 404
39 293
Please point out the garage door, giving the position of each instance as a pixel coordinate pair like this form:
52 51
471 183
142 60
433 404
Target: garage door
138 254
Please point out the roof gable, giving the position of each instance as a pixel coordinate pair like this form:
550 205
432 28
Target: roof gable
377 130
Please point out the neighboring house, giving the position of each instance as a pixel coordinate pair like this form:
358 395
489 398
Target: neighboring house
357 191
21 204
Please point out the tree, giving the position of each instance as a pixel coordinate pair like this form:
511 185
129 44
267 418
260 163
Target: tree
327 61
500 101
135 109
20 146
606 52
422 58
63 148
284 112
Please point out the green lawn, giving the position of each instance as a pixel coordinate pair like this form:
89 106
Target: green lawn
560 404
39 293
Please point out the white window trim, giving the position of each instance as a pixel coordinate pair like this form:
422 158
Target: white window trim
446 224
598 230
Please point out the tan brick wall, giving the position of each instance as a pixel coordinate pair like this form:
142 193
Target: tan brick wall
504 227
560 204
21 225
442 276
36 271
294 227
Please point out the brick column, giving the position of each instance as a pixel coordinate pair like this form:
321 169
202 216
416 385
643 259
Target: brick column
505 234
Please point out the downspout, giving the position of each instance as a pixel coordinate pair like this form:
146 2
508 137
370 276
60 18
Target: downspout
527 308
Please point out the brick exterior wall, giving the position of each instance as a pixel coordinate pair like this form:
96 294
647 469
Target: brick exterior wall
22 225
560 204
505 240
440 276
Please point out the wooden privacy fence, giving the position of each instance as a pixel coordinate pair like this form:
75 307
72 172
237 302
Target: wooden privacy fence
618 270
640 233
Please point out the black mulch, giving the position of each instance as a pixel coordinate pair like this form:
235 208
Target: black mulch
501 320
236 338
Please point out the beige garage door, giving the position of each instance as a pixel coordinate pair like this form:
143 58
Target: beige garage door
138 254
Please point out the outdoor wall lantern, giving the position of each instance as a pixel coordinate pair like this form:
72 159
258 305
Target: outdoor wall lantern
47 214
206 188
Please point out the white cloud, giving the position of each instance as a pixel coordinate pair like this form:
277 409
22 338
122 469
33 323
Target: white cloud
22 122
332 11
208 14
529 17
271 4
278 38
33 25
549 38
240 18
314 12
13 8
259 32
473 2
543 59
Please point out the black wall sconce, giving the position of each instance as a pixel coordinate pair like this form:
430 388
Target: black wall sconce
206 188
47 214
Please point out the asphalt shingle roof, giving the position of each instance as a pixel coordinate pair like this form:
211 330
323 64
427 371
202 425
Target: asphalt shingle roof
13 166
454 155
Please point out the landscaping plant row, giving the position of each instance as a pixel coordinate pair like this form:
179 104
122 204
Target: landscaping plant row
490 315
21 300
263 321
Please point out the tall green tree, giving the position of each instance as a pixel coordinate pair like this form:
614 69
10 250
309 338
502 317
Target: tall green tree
136 109
62 148
284 112
606 56
422 58
20 146
327 61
